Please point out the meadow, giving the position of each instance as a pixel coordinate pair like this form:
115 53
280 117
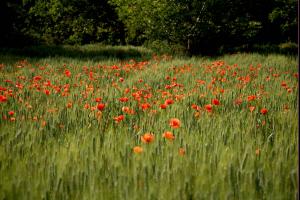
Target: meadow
93 122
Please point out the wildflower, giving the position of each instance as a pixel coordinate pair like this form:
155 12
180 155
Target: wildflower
119 118
257 152
216 102
208 107
251 108
69 105
147 138
251 97
47 92
263 111
123 99
11 113
195 107
145 106
168 135
163 106
67 73
181 151
175 123
100 106
98 99
3 98
137 149
87 106
169 101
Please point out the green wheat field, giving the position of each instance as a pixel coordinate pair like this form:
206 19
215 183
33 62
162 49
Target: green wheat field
94 122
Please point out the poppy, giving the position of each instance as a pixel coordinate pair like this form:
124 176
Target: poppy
47 92
208 107
175 123
98 99
119 118
169 101
3 98
257 152
11 113
123 99
145 106
195 107
251 108
251 97
137 149
67 73
181 151
147 138
216 102
168 135
100 106
263 111
163 106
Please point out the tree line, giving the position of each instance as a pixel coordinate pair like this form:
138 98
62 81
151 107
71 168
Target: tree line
194 26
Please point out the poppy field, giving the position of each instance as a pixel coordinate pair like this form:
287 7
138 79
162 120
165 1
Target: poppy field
157 127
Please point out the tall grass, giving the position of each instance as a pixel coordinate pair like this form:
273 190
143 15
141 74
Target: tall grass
56 147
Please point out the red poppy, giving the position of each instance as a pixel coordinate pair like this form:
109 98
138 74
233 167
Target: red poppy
208 107
100 106
11 113
169 101
3 98
147 138
119 118
168 135
195 107
98 99
67 73
137 149
263 111
163 106
251 97
145 106
216 102
174 123
123 99
47 92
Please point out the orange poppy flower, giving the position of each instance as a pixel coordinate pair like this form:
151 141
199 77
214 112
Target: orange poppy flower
181 151
147 138
175 123
251 108
137 149
168 135
257 152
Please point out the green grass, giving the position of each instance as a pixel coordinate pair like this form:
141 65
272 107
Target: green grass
51 151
